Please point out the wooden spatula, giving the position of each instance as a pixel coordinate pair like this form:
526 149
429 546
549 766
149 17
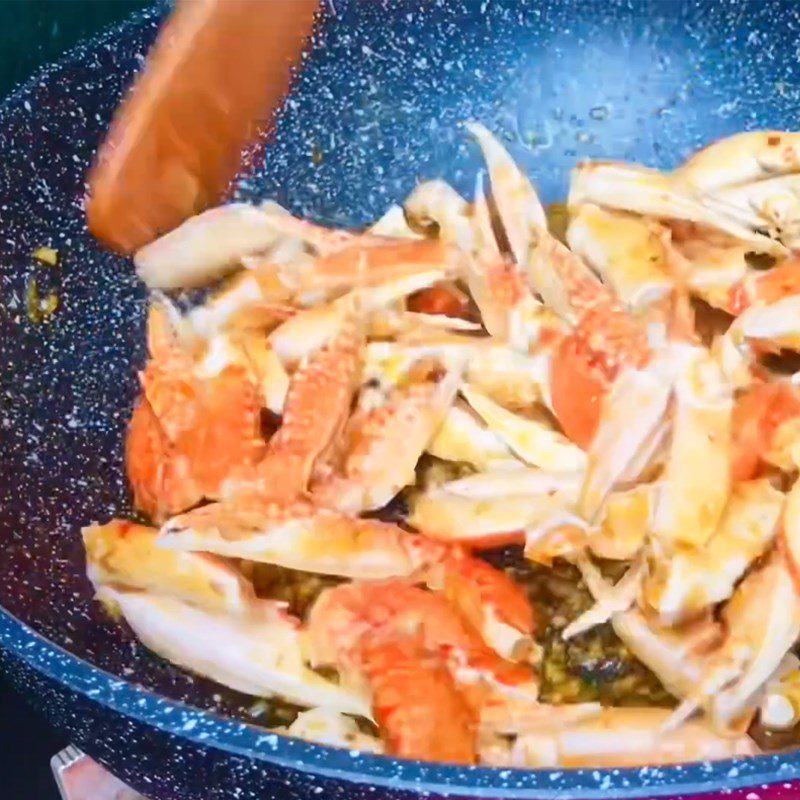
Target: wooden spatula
212 80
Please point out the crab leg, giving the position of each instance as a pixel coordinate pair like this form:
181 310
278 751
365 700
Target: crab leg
449 517
627 187
684 583
189 432
125 554
509 311
496 484
464 438
619 737
638 394
301 536
316 409
258 654
436 203
697 476
205 247
385 446
742 158
629 253
416 703
535 442
349 617
310 329
519 206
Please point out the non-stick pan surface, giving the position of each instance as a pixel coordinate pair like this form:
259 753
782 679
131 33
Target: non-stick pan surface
378 106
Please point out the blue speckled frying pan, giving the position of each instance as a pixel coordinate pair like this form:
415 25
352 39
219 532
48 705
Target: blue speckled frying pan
377 106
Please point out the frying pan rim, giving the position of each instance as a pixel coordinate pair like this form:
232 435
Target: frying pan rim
106 688
209 730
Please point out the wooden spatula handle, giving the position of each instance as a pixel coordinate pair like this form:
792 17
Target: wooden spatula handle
212 80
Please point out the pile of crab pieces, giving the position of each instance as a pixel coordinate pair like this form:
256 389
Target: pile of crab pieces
611 396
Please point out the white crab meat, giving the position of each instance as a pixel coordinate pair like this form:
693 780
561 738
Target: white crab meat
696 481
520 209
125 554
535 441
642 395
205 247
450 517
436 203
688 580
496 484
462 437
259 654
628 252
742 158
327 727
383 447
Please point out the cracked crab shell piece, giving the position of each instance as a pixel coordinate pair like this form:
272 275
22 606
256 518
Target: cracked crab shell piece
628 252
125 554
302 537
462 437
449 517
205 247
641 395
687 581
621 737
384 446
697 478
259 654
534 441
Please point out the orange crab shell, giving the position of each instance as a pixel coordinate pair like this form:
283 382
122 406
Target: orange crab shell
757 415
768 287
416 703
577 391
472 586
210 428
